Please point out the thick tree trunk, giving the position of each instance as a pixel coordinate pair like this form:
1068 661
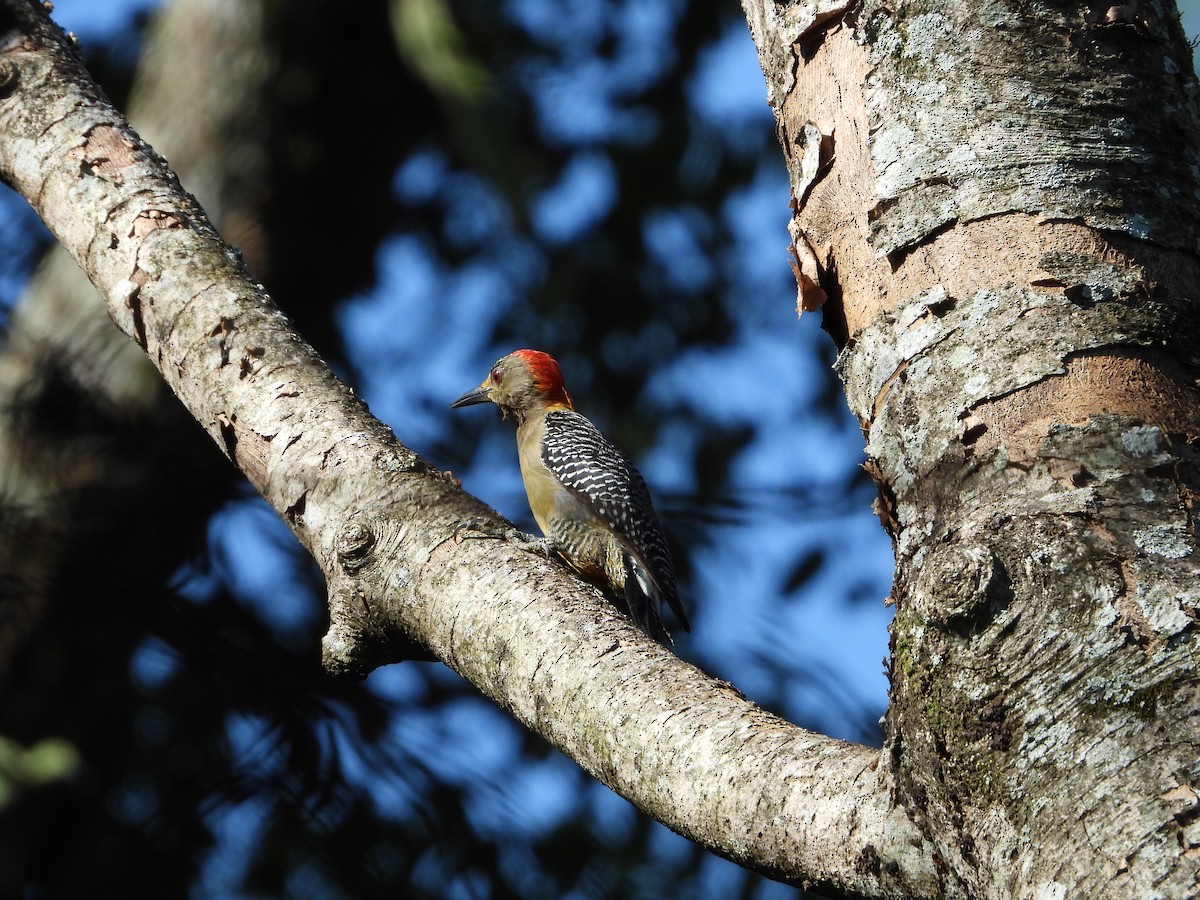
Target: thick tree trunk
998 199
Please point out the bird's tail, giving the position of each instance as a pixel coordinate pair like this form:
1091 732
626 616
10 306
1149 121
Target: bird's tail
644 600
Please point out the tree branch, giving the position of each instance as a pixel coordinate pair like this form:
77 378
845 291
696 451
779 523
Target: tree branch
407 555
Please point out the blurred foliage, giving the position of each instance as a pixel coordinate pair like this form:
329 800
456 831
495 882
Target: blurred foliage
447 180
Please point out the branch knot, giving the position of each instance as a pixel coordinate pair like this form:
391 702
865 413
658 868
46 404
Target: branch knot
354 546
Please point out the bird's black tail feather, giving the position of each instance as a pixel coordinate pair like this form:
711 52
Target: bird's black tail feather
641 597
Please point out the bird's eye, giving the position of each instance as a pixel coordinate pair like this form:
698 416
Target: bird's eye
497 376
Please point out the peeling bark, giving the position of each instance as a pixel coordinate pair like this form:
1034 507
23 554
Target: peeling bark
1008 223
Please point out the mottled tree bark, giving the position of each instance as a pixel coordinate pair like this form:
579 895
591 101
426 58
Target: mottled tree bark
998 199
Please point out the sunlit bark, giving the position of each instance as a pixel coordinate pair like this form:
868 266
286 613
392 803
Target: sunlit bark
998 200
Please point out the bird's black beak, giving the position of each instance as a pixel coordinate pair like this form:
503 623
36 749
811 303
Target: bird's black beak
480 394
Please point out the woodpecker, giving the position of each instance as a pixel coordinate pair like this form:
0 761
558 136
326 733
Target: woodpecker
590 502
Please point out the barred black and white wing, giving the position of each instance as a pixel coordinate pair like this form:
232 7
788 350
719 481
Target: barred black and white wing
608 485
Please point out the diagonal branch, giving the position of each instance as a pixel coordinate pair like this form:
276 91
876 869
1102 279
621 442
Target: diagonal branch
409 557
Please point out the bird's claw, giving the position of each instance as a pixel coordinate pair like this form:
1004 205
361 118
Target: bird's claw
520 539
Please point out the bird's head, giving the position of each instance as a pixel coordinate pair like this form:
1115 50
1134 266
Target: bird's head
523 381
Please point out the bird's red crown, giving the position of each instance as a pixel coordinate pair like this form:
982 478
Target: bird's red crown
547 376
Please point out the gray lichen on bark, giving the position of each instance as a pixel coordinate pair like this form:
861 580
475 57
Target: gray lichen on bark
1077 118
975 349
1044 661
